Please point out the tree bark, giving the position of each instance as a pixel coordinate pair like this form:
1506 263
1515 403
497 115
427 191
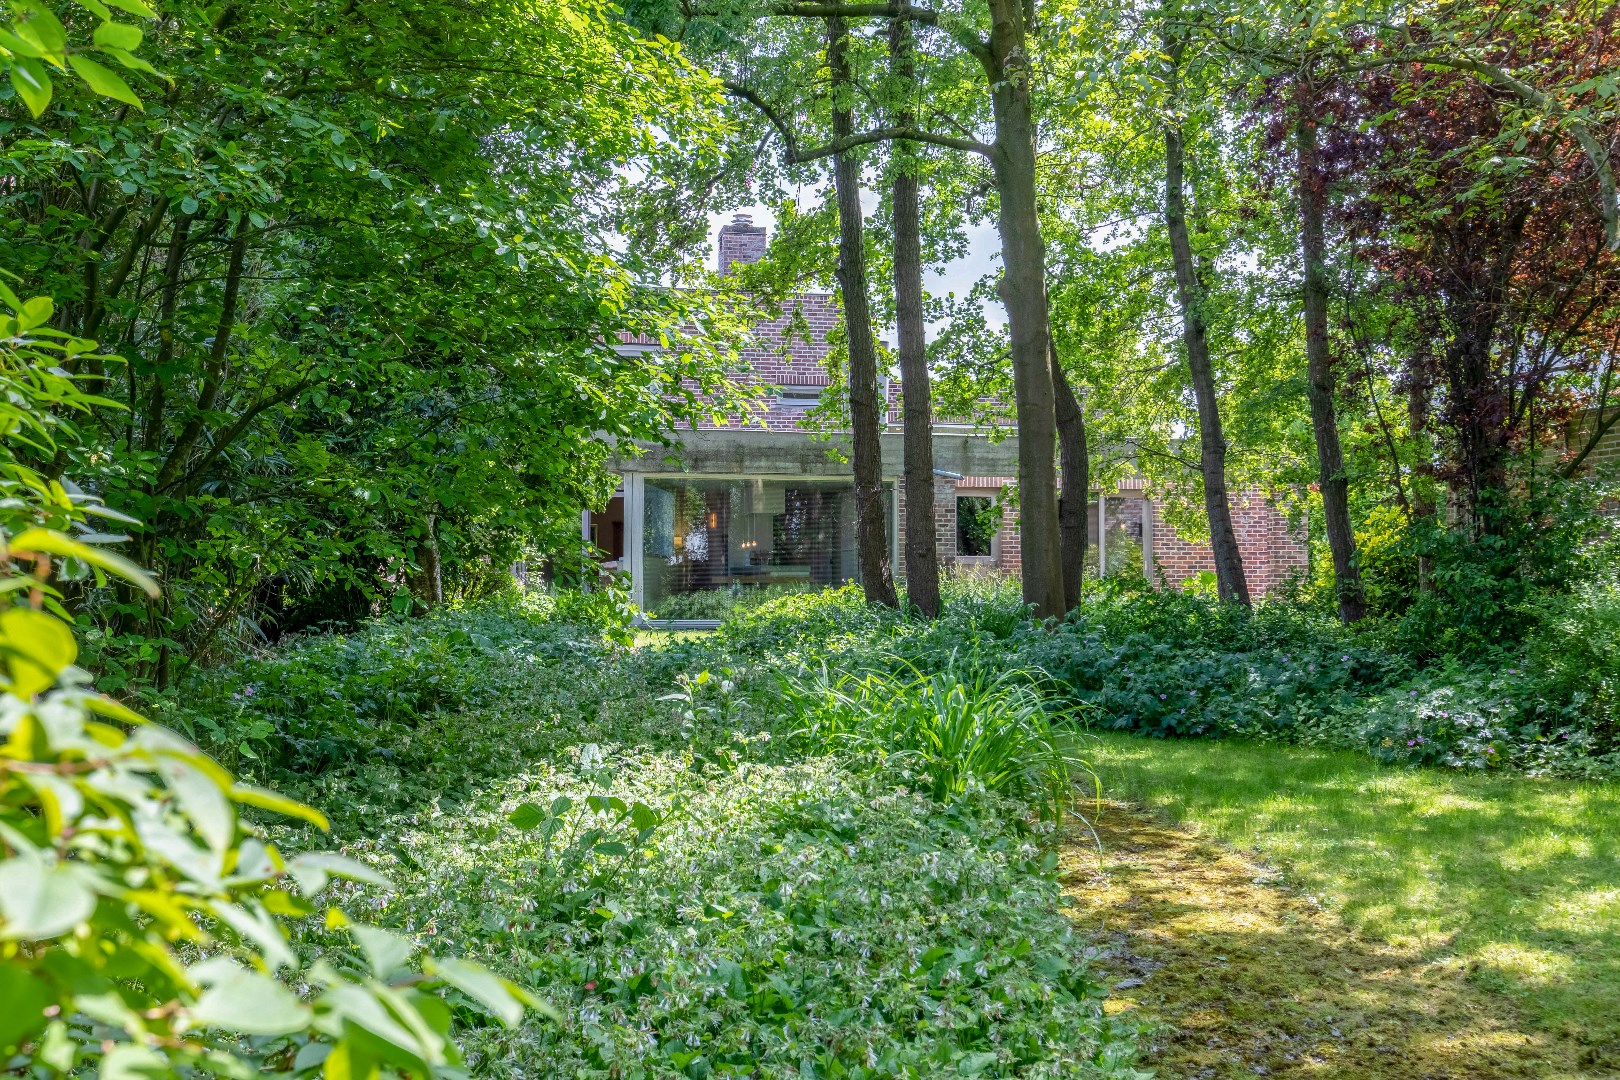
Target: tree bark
871 524
1074 500
1229 577
917 413
1023 291
427 580
1335 484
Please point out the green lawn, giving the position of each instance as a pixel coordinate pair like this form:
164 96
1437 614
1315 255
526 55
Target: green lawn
1517 878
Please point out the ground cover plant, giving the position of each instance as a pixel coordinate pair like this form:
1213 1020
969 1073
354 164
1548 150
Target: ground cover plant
1173 665
650 840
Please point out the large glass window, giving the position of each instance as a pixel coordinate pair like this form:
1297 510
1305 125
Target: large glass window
711 534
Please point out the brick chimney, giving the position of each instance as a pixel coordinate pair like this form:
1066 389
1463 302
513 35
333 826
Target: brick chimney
741 242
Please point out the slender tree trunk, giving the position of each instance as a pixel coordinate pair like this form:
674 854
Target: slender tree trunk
215 371
922 548
1023 291
1073 502
1335 483
1229 577
871 524
427 581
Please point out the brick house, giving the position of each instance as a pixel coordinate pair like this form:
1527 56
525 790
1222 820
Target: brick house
759 501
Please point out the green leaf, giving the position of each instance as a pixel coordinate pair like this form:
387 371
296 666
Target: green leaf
974 1064
37 311
134 7
106 706
643 816
42 28
502 997
18 47
202 799
131 1061
526 816
312 868
104 81
26 997
32 84
118 36
39 900
38 647
385 952
55 543
245 1001
279 804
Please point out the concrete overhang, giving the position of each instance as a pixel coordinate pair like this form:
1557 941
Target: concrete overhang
752 452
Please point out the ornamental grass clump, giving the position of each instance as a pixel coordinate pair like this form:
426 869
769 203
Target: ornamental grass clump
948 734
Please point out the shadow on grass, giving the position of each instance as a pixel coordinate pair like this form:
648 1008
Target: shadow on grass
1514 880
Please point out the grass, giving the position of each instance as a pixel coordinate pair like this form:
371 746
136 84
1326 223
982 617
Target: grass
1515 879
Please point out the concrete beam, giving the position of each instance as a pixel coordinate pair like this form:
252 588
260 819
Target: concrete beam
752 452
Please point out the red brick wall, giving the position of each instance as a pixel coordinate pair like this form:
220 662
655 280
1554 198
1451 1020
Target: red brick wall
944 523
1272 552
1605 457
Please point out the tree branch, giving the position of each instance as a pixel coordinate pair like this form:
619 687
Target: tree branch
796 155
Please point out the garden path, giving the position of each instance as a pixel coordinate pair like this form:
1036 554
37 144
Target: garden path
1253 979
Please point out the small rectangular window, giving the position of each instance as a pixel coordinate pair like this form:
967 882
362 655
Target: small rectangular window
798 397
977 519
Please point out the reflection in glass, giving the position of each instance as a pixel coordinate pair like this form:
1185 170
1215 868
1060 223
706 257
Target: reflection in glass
707 534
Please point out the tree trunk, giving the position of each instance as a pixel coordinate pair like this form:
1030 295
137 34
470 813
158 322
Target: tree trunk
1319 368
1023 291
427 580
1229 577
917 415
871 525
1075 462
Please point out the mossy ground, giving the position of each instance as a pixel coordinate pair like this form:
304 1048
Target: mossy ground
1291 911
1252 979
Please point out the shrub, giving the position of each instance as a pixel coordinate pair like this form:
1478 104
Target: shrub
722 603
1389 565
326 701
146 924
821 620
1485 578
1466 716
1575 652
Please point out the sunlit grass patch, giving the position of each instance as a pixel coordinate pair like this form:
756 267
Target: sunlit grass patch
1518 879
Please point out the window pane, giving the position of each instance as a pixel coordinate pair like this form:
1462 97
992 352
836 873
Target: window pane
977 519
731 534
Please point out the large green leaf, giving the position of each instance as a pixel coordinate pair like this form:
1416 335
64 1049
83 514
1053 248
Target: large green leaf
38 648
25 995
504 998
56 543
386 952
312 868
245 1001
104 81
40 900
